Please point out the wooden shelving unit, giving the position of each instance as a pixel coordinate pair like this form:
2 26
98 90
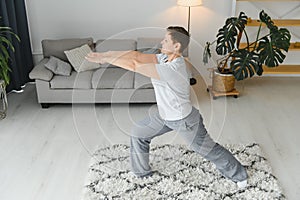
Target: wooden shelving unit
295 46
277 22
282 69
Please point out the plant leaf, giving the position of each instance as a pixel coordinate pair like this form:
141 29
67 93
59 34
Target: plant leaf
265 18
226 36
5 46
4 70
270 48
225 42
270 52
245 64
8 43
4 52
281 39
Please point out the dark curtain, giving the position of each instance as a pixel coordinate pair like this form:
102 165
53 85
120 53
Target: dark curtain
13 13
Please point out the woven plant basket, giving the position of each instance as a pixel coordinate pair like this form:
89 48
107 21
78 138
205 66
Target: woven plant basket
223 82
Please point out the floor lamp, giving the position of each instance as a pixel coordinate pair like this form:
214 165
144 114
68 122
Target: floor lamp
189 3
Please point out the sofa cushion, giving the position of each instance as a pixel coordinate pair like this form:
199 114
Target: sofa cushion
41 72
145 43
112 78
77 80
115 45
141 81
57 47
58 66
149 45
77 58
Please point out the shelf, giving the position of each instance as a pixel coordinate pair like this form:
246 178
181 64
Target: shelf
295 46
282 69
277 22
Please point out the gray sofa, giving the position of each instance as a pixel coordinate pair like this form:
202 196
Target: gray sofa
107 84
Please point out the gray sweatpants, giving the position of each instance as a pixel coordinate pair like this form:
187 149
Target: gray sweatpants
192 129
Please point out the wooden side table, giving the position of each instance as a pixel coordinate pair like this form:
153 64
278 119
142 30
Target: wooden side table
216 94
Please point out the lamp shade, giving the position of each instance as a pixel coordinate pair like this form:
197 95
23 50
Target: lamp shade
189 3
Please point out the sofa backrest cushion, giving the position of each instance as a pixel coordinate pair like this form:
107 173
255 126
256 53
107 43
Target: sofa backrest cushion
115 45
150 45
56 48
145 43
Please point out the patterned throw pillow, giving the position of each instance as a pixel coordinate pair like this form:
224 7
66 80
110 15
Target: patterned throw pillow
58 66
77 58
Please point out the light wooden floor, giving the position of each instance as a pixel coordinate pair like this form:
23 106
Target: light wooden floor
44 154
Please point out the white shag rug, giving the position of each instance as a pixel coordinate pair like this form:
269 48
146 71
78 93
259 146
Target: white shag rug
180 174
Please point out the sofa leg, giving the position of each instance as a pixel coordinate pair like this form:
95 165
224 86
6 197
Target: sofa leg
45 105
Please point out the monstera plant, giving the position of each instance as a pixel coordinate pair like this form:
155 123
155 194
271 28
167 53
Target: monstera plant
6 34
248 60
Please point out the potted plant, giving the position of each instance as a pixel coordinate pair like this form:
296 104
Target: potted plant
5 46
241 62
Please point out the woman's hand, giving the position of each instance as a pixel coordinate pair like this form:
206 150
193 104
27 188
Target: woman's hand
95 57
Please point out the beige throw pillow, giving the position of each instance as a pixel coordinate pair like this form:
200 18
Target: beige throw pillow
77 58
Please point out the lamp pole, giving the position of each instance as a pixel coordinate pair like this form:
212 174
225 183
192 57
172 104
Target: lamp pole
193 81
189 19
189 3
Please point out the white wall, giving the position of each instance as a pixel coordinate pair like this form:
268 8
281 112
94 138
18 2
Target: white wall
105 18
102 19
